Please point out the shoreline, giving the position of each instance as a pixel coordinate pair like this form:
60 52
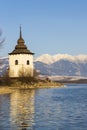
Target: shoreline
40 85
9 89
6 90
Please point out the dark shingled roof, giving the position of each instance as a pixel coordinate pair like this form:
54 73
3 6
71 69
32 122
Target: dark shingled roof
21 48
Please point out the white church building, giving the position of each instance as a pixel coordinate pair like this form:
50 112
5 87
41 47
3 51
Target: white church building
21 60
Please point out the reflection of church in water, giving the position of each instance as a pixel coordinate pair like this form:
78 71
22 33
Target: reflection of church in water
22 109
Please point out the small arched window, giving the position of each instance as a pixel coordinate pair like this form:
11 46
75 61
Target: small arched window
28 62
16 62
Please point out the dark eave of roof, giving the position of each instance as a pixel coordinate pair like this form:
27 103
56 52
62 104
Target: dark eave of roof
20 51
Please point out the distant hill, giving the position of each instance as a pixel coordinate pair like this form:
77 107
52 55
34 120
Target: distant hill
60 64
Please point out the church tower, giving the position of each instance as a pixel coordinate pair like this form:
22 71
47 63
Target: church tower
21 60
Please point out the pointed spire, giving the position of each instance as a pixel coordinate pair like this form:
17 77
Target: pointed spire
20 40
20 32
21 48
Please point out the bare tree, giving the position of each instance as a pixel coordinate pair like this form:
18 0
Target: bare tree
1 39
1 42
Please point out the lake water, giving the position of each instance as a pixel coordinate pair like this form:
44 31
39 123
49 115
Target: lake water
45 109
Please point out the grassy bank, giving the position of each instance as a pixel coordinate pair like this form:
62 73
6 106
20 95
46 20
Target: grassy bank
27 84
18 85
38 85
6 90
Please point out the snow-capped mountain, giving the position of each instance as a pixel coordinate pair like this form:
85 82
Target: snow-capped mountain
62 64
49 59
59 64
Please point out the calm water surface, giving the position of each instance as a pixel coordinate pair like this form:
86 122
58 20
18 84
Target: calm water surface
45 109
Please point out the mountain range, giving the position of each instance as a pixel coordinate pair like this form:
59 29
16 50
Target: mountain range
62 64
59 64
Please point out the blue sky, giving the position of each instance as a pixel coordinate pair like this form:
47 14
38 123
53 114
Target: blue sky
48 26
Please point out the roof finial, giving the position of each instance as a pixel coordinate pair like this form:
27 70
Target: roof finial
20 32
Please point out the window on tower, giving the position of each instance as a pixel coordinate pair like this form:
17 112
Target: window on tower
28 62
16 62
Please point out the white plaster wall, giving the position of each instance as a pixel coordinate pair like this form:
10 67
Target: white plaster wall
22 67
